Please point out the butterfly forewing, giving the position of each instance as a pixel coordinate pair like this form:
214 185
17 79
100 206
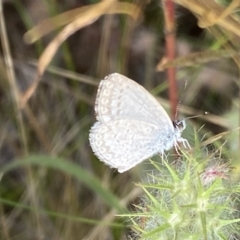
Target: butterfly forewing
120 97
122 143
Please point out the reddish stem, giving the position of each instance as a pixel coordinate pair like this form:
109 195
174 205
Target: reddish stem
169 16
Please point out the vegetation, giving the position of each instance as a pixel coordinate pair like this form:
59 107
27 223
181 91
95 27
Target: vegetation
53 57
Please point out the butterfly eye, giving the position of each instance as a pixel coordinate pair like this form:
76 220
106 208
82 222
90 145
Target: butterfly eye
179 124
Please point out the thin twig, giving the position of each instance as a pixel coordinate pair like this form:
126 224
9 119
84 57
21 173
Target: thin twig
169 16
12 79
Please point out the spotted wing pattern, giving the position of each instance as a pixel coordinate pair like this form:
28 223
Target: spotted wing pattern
131 125
124 143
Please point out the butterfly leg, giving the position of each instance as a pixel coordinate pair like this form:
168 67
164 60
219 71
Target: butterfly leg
184 142
163 155
176 146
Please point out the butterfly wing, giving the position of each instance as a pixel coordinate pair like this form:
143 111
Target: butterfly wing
124 143
120 97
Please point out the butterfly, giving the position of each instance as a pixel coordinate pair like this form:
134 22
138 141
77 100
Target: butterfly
131 125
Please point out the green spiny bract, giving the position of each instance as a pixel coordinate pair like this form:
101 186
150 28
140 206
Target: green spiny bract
188 199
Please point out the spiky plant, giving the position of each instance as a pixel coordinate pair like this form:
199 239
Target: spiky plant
192 198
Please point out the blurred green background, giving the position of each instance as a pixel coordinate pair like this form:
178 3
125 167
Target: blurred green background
52 185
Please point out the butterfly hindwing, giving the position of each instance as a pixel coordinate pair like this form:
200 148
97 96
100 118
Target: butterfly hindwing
122 143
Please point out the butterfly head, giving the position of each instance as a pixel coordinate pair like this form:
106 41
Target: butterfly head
179 125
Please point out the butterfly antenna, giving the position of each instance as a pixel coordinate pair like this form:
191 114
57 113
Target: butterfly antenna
196 116
180 99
